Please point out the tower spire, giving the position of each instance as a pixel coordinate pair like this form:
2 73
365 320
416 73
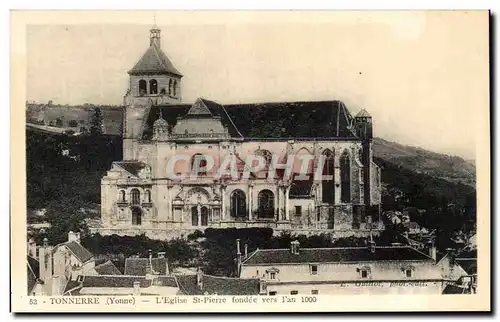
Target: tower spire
154 34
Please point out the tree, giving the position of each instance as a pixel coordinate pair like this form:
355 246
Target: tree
73 123
64 216
96 122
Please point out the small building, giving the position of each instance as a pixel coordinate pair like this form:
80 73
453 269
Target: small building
345 270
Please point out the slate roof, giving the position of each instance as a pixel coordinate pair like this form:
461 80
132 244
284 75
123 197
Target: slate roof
107 268
334 255
331 119
33 272
79 251
453 289
169 281
114 281
139 266
218 285
72 288
154 61
132 167
468 264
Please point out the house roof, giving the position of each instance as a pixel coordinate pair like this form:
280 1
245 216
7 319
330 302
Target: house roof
140 266
79 251
324 119
454 289
154 61
33 272
114 281
107 268
132 167
72 288
332 255
218 285
468 264
169 281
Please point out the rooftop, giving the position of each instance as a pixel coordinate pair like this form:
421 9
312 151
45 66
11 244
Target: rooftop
335 255
154 60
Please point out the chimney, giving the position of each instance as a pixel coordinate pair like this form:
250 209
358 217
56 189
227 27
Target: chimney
294 247
32 248
246 250
45 263
149 266
432 250
371 243
262 287
74 237
137 288
199 279
238 255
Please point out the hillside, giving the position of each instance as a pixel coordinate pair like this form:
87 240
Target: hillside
451 168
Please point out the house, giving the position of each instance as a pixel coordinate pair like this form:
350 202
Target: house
52 267
345 270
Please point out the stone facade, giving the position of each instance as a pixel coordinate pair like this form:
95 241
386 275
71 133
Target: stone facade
139 194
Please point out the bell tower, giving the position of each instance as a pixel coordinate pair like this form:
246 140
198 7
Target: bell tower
153 81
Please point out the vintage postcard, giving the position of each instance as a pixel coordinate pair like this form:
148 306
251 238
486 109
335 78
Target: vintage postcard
250 161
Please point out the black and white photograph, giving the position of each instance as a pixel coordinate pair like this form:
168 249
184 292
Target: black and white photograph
199 161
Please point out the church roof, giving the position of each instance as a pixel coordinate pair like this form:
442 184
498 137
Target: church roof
154 60
319 119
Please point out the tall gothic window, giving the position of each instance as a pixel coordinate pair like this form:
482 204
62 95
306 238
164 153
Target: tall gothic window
328 186
135 196
143 87
266 204
238 203
153 86
345 178
175 88
194 216
170 85
148 195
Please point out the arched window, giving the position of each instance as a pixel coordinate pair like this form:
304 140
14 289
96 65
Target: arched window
266 204
194 216
135 196
198 165
345 178
204 216
238 204
122 196
328 186
148 195
170 84
153 86
136 216
175 88
143 87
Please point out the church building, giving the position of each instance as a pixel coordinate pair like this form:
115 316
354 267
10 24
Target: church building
143 193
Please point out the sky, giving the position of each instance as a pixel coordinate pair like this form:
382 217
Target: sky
423 76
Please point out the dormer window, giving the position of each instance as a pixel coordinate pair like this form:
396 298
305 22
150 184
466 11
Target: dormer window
408 271
272 273
313 269
364 272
